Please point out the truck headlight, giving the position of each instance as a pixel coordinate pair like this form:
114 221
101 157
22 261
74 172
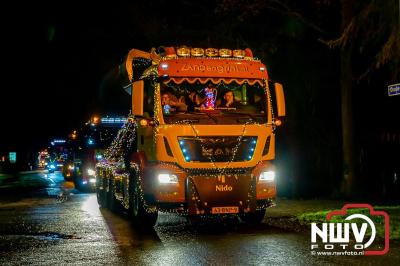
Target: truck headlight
91 172
268 176
167 179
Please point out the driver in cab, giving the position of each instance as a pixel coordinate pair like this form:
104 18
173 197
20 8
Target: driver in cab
229 101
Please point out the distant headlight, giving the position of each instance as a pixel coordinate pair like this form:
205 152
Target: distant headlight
167 179
71 167
91 172
92 180
267 176
52 166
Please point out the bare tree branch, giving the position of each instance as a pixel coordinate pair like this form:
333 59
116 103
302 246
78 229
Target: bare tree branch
347 35
286 10
253 8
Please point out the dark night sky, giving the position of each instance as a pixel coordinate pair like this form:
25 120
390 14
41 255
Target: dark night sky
55 57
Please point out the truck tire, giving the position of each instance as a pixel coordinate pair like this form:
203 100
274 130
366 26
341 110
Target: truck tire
253 217
101 193
111 201
140 216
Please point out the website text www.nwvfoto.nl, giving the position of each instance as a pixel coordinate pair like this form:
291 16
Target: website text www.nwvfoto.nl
337 253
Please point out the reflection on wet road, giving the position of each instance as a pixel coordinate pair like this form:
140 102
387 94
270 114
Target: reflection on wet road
44 231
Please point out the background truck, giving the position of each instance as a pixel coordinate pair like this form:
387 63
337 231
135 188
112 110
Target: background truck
87 147
206 160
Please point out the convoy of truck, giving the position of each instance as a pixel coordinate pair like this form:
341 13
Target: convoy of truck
199 139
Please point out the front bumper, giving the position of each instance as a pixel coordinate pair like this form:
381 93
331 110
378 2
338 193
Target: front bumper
203 193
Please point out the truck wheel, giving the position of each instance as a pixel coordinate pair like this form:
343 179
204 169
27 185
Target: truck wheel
140 216
111 201
253 217
100 198
101 195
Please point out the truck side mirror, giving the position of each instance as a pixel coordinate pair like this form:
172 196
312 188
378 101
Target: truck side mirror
137 97
280 100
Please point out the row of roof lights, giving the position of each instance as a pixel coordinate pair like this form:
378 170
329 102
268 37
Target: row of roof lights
185 51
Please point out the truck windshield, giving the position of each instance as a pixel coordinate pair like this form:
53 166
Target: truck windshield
213 103
100 136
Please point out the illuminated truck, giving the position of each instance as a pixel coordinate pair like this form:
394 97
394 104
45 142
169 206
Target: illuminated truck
197 158
88 146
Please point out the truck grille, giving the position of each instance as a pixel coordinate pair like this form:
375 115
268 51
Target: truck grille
218 148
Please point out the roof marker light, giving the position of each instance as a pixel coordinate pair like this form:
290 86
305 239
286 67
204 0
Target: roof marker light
211 52
183 51
225 52
239 53
197 52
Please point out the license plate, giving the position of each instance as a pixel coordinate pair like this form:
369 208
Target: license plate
218 210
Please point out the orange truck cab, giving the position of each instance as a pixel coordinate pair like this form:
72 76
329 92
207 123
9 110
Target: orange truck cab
201 138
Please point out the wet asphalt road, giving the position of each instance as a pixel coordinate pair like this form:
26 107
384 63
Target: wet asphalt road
47 230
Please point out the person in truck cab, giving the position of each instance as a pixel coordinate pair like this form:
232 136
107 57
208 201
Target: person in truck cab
192 100
229 101
169 102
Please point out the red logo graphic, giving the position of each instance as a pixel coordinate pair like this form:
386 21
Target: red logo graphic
372 212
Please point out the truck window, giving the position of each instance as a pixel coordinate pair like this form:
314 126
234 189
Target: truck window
148 99
221 103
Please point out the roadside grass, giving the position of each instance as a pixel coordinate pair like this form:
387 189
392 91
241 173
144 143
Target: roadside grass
393 211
